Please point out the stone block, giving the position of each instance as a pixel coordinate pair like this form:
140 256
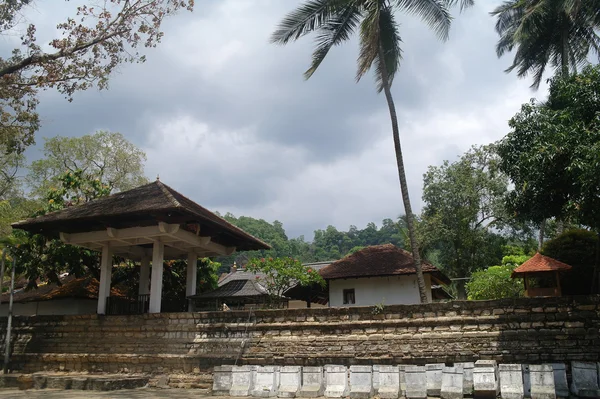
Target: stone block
290 378
416 382
452 382
402 370
266 382
542 381
434 378
242 380
485 384
336 381
511 381
312 382
467 377
221 380
389 382
560 380
39 381
486 363
584 381
361 382
376 379
79 383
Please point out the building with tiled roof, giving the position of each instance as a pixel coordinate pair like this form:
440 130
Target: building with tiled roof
379 274
541 275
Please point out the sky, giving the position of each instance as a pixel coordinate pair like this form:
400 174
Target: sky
227 119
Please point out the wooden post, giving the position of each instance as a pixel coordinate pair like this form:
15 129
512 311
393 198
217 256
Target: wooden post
10 312
158 254
558 287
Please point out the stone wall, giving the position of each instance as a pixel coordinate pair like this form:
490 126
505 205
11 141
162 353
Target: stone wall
523 330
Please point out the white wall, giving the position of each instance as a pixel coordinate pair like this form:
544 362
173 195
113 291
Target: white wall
393 290
51 307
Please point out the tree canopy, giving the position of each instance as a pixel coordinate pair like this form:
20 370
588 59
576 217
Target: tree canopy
552 154
106 156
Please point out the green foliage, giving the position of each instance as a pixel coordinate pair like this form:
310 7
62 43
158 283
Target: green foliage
463 201
542 32
328 244
552 154
576 248
494 283
105 156
283 273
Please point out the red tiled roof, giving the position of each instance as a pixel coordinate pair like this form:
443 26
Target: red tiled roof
378 260
540 263
82 288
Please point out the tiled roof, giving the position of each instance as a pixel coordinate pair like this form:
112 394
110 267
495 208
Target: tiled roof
80 288
377 260
235 288
540 263
141 206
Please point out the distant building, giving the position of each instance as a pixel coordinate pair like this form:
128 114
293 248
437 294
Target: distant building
380 274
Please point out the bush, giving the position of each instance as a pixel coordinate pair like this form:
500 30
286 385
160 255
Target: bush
494 283
578 249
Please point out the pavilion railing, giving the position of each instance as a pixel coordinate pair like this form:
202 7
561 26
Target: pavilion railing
124 306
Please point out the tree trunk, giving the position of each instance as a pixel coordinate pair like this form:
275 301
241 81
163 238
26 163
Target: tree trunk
541 236
461 289
402 176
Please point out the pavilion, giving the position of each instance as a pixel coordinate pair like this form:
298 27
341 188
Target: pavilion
150 224
541 275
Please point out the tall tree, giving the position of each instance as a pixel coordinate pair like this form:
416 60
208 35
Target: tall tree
334 22
87 47
106 156
561 33
463 201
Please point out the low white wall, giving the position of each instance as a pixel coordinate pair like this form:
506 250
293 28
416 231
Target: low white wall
392 290
52 307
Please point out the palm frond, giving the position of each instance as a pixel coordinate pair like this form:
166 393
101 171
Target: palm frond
369 38
464 4
305 19
335 30
389 39
434 13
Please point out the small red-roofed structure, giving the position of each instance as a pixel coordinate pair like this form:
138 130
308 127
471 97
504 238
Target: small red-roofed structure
541 275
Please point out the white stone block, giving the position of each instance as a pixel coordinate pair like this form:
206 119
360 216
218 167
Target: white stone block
376 378
389 382
221 380
242 380
511 381
560 380
434 378
336 381
266 381
416 382
584 381
467 377
542 381
290 378
402 370
485 384
312 382
452 382
361 382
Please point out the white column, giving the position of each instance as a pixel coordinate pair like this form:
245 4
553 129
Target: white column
105 277
158 253
191 277
144 276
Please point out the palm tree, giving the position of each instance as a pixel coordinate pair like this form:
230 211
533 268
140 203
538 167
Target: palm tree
334 22
561 33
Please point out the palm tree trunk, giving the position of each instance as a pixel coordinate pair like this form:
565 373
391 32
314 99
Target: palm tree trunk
402 175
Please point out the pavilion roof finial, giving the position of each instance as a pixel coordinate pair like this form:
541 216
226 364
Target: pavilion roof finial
157 177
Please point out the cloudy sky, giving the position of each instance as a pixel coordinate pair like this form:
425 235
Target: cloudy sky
227 119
